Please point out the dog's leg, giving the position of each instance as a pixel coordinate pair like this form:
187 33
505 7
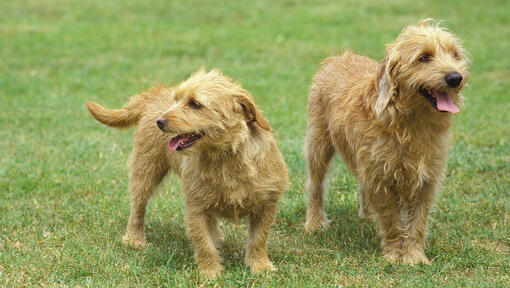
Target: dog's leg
413 245
206 254
256 253
146 173
364 210
387 210
214 229
319 151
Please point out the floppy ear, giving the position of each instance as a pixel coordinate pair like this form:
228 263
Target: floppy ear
251 112
386 86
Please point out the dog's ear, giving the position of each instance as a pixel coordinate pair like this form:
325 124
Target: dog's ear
251 112
386 85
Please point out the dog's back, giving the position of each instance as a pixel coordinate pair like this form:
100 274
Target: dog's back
342 91
141 110
339 73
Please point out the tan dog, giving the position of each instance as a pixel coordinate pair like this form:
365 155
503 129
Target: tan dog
390 122
214 137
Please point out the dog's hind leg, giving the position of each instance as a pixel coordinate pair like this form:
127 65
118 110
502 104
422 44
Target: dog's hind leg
146 172
319 151
214 229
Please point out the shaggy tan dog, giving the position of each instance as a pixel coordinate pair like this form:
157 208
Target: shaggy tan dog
208 131
390 122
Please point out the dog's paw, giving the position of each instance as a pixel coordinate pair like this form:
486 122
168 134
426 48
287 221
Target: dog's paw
391 254
261 265
415 256
136 242
211 271
314 223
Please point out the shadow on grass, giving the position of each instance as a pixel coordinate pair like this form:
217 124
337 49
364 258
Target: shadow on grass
353 232
170 247
346 232
348 235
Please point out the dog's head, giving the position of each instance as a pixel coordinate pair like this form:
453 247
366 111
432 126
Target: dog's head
423 70
210 111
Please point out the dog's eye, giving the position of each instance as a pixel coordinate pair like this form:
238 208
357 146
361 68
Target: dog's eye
456 55
194 104
424 58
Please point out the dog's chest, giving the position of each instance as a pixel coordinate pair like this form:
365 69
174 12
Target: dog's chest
408 166
227 191
232 198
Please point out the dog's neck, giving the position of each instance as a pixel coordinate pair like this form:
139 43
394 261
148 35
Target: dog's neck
254 145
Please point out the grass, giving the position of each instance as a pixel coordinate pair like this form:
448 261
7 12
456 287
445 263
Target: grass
63 177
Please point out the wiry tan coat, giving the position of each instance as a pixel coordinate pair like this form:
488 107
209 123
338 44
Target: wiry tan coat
388 134
235 170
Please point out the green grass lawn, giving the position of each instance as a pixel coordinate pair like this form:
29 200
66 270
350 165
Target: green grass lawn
63 177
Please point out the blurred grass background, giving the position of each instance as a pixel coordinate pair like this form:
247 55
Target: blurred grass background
63 177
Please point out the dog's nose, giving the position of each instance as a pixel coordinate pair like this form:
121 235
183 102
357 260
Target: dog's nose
161 123
453 79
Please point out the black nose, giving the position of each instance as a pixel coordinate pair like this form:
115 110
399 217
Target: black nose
453 79
161 123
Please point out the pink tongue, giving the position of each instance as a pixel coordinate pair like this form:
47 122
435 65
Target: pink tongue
175 142
444 103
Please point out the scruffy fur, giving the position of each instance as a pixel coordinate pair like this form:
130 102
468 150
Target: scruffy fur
235 170
387 133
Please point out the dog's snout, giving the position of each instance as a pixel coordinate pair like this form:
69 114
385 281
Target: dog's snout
161 123
453 79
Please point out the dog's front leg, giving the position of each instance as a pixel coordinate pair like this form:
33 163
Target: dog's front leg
364 208
256 253
414 243
385 204
206 254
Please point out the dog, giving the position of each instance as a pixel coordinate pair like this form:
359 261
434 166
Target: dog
209 131
390 122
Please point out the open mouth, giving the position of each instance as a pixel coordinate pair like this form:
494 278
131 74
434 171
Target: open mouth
439 100
183 141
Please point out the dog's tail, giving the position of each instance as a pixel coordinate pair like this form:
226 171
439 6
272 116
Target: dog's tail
127 116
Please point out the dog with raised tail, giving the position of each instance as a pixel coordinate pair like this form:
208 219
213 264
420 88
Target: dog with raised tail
390 122
209 131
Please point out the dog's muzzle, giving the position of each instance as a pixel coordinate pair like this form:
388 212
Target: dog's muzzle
440 100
